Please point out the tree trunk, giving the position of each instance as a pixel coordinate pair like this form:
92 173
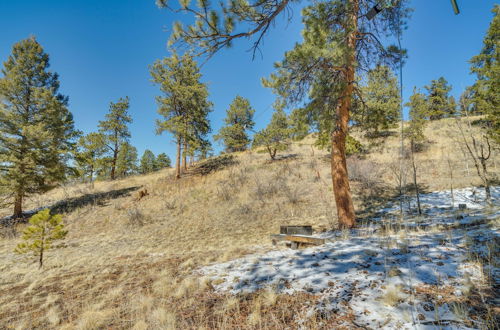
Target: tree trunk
184 156
40 261
486 180
178 160
113 165
415 183
340 179
271 153
18 206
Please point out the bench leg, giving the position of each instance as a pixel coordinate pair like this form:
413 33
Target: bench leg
295 245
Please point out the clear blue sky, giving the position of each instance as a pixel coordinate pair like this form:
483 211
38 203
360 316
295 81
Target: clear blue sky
102 49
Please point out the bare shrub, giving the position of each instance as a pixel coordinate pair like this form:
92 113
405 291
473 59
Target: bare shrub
293 194
224 191
136 217
263 191
364 171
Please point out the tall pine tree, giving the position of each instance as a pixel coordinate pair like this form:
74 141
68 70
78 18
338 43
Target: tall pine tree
184 104
275 137
115 129
381 99
126 160
440 104
239 119
89 156
486 67
162 161
148 162
36 127
418 113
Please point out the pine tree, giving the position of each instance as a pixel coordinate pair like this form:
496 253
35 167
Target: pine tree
299 124
115 129
39 235
485 66
381 99
467 103
418 113
162 161
322 71
126 160
440 104
339 39
275 137
89 156
148 162
184 105
239 119
36 128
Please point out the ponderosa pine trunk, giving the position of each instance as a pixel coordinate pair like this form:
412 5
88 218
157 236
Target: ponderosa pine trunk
113 165
184 157
340 179
178 160
18 206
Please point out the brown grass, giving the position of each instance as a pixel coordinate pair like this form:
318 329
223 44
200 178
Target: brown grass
128 263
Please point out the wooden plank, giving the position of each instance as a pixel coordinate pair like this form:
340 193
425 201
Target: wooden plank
296 230
305 239
298 239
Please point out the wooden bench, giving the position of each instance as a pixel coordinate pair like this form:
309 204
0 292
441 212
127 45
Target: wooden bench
297 240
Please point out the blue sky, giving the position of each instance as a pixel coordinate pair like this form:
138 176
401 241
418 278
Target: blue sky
102 49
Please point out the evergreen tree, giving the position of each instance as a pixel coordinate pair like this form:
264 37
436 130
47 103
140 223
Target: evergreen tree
239 119
39 235
381 97
418 113
126 160
36 128
162 161
467 103
322 70
339 39
89 156
148 162
115 129
299 124
275 137
184 105
485 66
439 103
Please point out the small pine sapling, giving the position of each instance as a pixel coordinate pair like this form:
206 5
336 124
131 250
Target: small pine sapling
43 230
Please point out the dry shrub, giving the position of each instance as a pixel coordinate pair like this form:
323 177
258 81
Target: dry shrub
364 171
136 217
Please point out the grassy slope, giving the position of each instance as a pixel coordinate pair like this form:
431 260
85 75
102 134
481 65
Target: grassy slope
129 263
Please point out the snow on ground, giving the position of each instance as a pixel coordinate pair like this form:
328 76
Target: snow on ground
377 277
472 197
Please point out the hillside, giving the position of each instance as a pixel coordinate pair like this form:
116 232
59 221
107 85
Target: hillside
135 262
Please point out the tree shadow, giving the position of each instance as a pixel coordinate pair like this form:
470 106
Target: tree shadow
210 165
73 203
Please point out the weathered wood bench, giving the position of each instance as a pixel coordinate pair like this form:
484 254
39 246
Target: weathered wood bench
298 236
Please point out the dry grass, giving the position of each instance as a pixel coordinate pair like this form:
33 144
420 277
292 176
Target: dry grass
128 263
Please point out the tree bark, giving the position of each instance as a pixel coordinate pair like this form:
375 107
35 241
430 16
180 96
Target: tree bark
178 160
340 179
415 183
18 206
113 165
184 156
486 180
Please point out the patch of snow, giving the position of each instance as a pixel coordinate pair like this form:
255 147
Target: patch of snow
357 271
